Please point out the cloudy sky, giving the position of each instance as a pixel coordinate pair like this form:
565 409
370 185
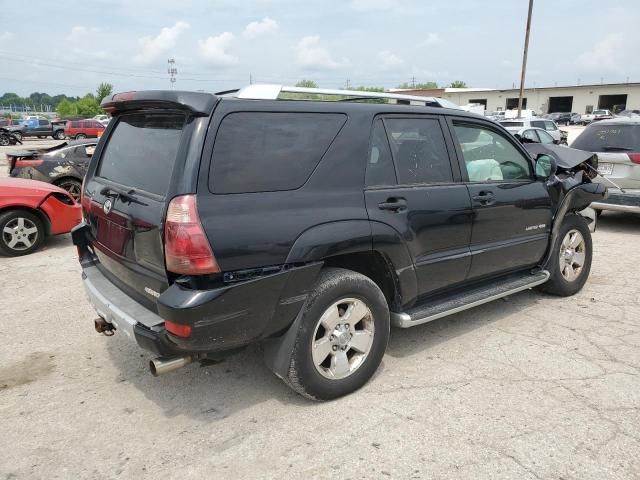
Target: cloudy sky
219 44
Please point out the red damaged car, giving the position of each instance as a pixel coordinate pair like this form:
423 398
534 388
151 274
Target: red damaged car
32 210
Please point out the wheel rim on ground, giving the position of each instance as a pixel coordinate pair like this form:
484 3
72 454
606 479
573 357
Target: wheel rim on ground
342 339
572 255
20 234
72 188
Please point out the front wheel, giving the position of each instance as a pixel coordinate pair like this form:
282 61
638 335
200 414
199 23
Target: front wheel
80 136
18 136
59 135
571 258
343 334
21 233
4 140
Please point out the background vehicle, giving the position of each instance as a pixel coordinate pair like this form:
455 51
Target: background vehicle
63 165
207 228
629 113
83 129
103 119
587 118
575 119
617 143
30 211
8 138
513 125
535 135
561 118
35 127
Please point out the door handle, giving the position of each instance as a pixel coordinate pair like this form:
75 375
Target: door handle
396 205
485 198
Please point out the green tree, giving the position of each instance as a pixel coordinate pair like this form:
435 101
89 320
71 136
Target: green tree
307 84
88 106
104 90
66 109
458 84
419 86
368 89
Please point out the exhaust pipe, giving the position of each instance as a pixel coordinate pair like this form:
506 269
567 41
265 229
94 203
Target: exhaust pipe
162 365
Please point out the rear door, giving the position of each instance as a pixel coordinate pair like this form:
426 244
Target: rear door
413 186
126 196
511 208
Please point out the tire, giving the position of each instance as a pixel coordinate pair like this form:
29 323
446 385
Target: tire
361 345
18 135
4 140
80 135
571 258
59 135
72 186
24 233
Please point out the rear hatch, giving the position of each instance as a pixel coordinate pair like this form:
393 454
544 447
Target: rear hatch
136 170
618 149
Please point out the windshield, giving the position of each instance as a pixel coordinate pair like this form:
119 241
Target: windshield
602 138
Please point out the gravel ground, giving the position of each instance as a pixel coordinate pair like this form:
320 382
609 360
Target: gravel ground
528 387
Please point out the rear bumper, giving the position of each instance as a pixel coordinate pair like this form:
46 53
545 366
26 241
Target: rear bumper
620 202
222 319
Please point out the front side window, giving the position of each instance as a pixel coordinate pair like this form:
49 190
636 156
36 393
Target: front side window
545 137
489 156
550 126
380 170
530 135
419 150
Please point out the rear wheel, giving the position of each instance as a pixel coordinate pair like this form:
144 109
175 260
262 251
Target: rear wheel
72 186
21 233
80 135
4 140
59 135
571 258
342 336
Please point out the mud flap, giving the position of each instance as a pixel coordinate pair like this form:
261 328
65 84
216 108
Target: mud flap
278 351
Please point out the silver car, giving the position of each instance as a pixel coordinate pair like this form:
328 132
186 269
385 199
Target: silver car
515 124
617 143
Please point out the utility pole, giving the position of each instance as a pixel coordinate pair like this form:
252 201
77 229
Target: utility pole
524 58
413 82
250 79
348 85
172 71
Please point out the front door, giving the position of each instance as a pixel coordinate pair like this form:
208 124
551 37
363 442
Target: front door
512 209
413 186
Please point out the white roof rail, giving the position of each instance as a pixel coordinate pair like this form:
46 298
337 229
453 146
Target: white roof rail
273 92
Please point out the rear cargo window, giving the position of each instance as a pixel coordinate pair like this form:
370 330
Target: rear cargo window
142 151
264 151
609 138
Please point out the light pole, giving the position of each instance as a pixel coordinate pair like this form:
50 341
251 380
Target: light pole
524 58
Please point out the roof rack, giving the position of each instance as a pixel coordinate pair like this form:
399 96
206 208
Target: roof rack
273 92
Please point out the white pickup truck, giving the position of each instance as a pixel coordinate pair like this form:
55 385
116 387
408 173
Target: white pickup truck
595 115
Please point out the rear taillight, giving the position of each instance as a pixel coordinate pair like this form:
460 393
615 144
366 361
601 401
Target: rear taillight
186 248
178 329
20 163
634 157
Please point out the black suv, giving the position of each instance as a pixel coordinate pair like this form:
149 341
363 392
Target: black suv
215 221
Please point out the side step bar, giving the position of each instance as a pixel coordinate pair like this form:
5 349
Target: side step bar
467 299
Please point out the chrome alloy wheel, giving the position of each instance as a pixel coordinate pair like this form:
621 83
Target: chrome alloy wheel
19 234
572 255
342 338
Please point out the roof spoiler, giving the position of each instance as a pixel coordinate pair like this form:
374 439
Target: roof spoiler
197 103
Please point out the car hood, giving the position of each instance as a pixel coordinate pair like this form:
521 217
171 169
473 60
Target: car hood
565 157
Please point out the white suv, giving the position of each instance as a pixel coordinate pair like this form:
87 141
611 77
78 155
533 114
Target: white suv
516 124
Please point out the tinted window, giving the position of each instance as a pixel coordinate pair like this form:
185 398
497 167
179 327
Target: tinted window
43 123
530 135
488 156
550 126
602 138
142 150
537 123
512 124
261 151
75 124
419 150
380 170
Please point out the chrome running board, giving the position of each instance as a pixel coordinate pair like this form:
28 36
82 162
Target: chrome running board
468 299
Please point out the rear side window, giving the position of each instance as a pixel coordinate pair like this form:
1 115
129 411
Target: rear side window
609 138
75 124
265 151
142 150
419 150
380 170
514 124
538 123
550 126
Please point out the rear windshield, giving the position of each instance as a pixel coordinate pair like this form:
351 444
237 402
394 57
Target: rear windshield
142 151
263 151
603 138
512 124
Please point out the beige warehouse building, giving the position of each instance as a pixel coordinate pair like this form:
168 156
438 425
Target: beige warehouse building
573 98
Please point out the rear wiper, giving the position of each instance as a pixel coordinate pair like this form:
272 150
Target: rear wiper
610 148
124 196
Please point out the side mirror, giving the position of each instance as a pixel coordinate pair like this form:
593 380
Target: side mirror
519 137
546 166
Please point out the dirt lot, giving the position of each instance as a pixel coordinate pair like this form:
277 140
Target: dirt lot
528 387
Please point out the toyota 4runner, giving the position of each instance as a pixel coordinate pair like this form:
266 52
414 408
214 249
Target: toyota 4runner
273 214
